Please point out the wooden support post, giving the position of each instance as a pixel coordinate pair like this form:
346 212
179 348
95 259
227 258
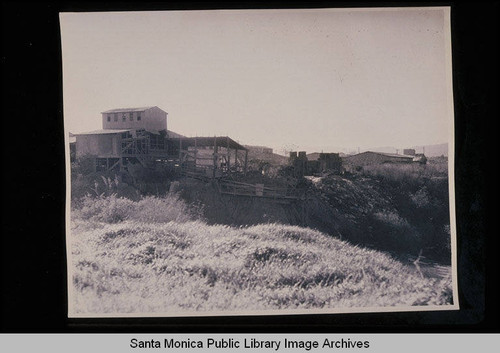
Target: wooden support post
215 157
195 153
180 152
236 159
228 153
246 162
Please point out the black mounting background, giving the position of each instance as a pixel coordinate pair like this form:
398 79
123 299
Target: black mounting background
34 294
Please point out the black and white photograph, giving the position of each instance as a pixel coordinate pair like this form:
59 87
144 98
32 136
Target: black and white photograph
259 162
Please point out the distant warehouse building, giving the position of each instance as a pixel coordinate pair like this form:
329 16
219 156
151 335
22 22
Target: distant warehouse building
373 158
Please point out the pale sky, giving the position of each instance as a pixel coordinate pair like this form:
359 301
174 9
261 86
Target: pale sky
314 80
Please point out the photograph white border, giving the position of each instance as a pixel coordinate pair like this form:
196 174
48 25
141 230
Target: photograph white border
453 230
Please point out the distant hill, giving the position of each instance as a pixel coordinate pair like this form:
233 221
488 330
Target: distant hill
385 149
433 150
265 154
313 156
429 150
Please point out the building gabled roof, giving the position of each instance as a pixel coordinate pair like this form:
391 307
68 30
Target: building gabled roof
394 155
220 141
126 110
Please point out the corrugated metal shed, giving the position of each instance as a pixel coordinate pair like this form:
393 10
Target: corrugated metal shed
369 157
391 155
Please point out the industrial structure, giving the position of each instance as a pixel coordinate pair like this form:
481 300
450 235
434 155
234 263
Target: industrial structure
140 136
133 137
316 163
303 164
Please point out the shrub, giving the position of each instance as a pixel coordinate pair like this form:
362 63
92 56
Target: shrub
394 232
165 209
114 209
395 172
392 219
421 198
84 165
108 209
412 173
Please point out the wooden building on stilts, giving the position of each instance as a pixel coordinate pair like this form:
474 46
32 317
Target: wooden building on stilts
140 136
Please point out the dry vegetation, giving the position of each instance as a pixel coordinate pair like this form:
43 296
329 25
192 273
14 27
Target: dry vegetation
156 255
410 173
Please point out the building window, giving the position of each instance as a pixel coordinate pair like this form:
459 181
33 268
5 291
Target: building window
131 117
138 116
116 117
109 118
124 118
